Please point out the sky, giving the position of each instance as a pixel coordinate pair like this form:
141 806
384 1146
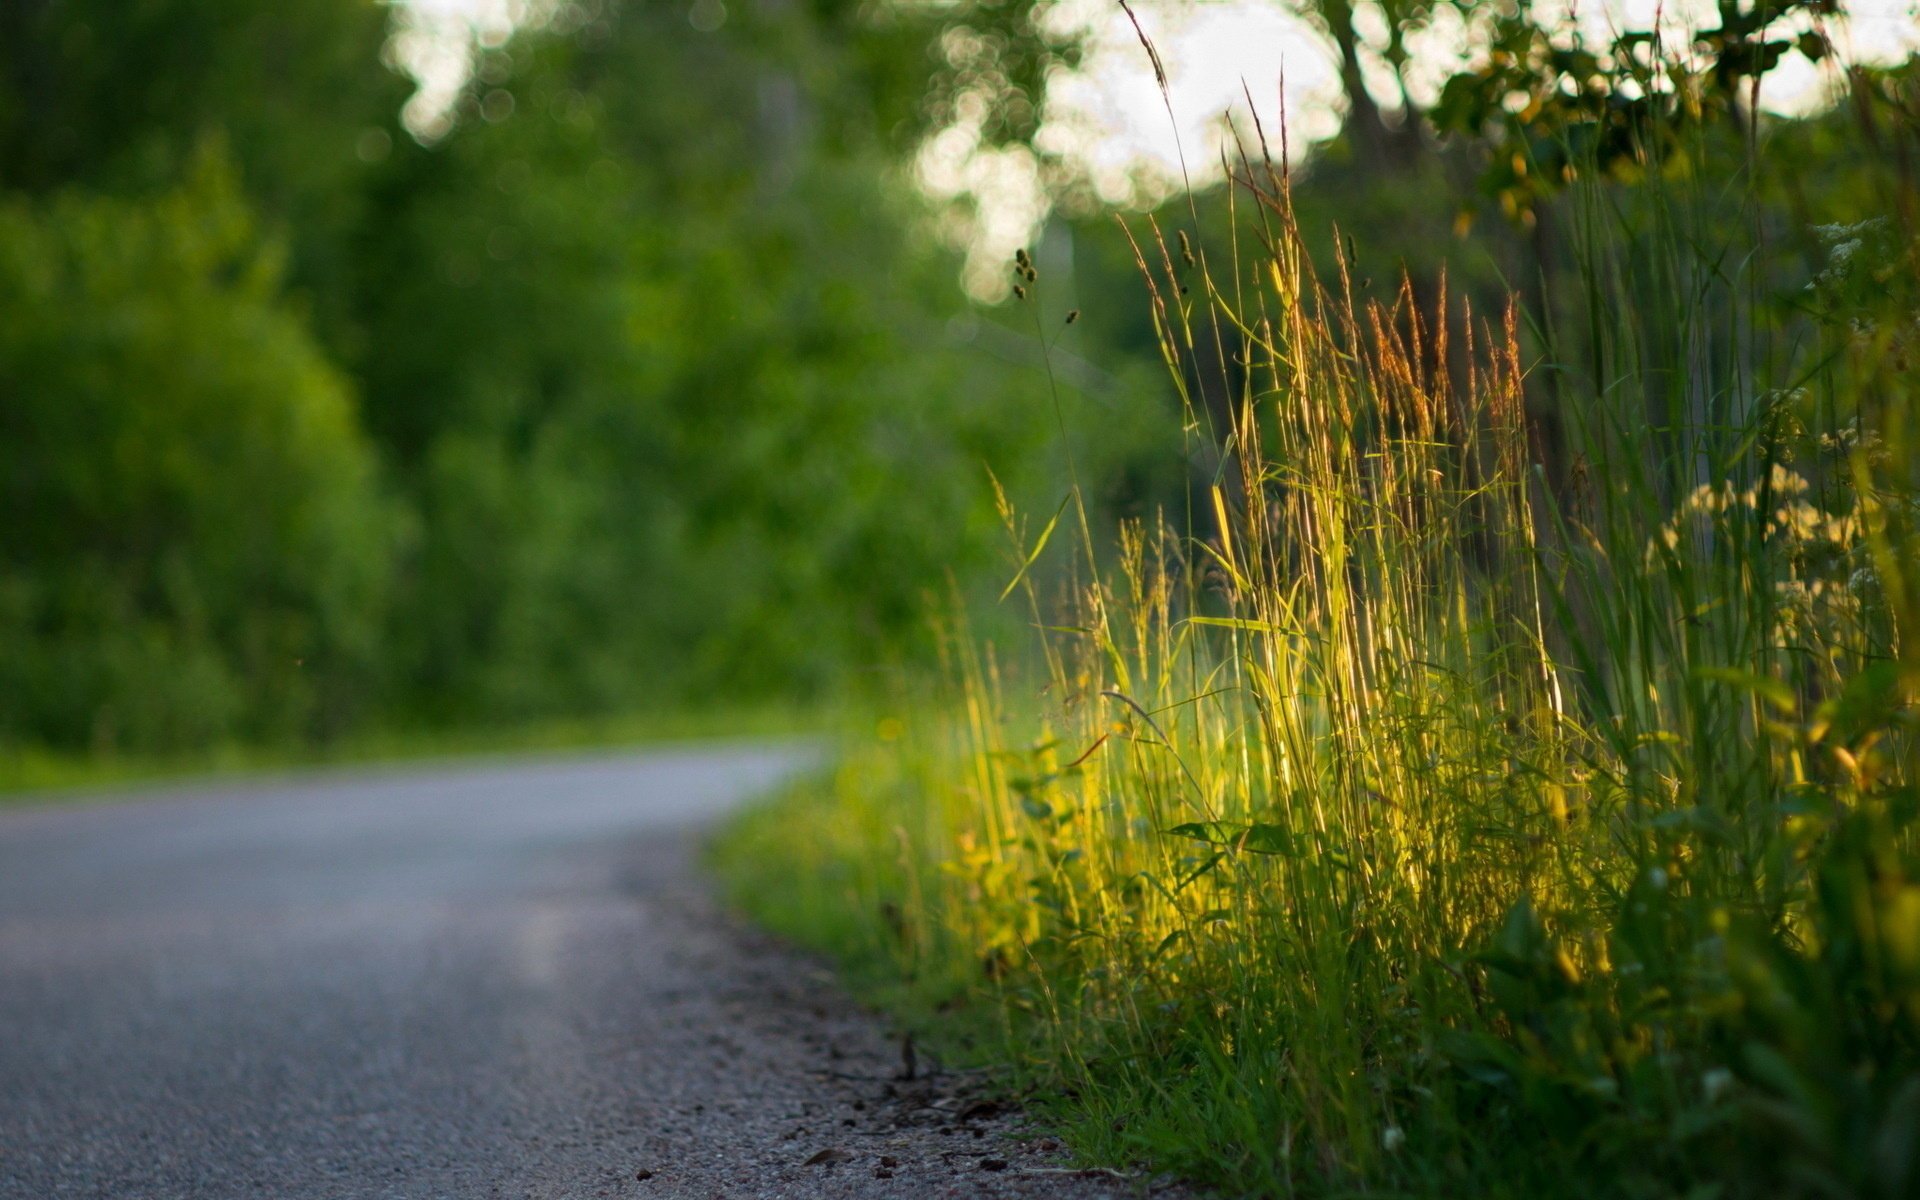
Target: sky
1108 121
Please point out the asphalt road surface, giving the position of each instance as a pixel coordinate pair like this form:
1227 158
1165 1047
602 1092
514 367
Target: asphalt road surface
501 980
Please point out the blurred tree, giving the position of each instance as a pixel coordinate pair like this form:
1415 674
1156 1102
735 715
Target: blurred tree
640 381
195 547
659 346
117 97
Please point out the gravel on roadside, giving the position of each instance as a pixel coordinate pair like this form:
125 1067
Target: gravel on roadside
792 1090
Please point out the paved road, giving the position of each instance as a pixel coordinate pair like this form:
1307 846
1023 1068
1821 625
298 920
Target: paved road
401 983
499 980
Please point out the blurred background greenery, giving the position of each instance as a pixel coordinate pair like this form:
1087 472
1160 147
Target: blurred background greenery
630 370
632 387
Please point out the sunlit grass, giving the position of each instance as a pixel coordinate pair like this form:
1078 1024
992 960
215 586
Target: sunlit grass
1410 818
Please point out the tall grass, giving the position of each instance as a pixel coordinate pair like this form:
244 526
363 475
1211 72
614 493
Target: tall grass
1413 818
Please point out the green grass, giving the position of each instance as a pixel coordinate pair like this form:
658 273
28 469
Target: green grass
43 777
1411 819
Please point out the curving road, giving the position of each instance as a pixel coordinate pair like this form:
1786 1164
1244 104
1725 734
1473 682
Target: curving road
487 981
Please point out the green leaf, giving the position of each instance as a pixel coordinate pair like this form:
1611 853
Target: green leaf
1258 839
1217 833
1037 548
1868 702
1479 1056
1167 943
1213 861
1270 839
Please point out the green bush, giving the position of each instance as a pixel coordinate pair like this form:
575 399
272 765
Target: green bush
196 548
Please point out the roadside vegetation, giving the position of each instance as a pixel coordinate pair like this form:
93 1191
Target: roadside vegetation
1496 776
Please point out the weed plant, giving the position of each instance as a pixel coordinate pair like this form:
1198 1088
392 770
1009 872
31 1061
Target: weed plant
1440 807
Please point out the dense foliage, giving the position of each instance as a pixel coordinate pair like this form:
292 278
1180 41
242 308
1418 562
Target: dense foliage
197 542
640 385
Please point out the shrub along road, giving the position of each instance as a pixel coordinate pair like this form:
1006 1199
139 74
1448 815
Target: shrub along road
502 980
